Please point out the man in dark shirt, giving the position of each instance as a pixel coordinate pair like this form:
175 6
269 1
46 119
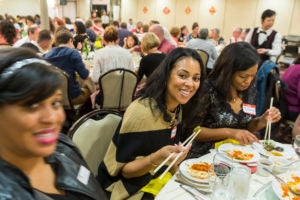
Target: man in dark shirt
69 60
123 33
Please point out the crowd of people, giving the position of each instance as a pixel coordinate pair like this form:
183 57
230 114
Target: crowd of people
178 93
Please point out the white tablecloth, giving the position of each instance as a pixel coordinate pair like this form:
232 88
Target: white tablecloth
172 190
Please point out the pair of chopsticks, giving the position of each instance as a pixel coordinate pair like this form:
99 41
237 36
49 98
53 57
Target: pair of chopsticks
186 143
268 128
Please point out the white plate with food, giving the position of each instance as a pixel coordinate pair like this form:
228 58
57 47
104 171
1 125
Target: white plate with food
195 170
282 192
274 149
239 153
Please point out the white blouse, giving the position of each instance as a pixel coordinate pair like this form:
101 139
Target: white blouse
111 57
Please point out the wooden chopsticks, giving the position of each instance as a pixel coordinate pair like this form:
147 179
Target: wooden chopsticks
268 128
186 143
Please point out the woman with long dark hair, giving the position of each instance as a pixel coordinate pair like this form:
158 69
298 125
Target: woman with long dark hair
151 127
227 104
80 35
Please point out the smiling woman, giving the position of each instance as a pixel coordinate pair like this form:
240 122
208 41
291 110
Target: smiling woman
151 127
31 148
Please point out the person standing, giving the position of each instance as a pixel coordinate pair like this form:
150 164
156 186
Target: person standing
105 19
266 40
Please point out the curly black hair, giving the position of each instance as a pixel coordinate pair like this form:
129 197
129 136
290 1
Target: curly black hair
80 27
8 31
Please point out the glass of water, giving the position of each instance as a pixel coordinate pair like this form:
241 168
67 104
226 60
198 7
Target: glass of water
218 176
297 144
238 184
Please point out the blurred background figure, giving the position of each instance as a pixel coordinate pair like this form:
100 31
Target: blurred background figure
244 33
236 35
105 19
130 25
215 36
184 31
194 33
8 34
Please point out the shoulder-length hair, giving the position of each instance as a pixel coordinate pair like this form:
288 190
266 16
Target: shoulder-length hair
235 57
156 85
31 83
80 27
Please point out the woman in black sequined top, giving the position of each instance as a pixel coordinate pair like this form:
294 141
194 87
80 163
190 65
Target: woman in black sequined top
226 107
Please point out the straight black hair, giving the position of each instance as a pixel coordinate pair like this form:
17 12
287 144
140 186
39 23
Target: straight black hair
30 84
156 85
267 13
80 27
235 57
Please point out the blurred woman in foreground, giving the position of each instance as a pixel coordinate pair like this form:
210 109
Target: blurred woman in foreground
36 162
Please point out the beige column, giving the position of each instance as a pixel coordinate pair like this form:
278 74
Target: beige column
44 15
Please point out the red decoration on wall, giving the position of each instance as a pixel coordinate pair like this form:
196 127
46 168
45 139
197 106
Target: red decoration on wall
166 11
188 10
145 10
212 10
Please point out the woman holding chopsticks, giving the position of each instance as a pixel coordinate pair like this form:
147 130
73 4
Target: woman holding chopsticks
228 99
151 127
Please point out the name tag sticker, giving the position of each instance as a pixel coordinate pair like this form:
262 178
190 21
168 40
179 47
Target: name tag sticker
83 175
173 133
249 109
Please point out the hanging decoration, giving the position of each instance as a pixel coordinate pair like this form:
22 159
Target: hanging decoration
188 10
145 10
212 10
166 11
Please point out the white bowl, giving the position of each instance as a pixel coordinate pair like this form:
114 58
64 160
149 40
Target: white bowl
278 165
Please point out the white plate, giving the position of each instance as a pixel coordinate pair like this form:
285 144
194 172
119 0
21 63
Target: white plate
245 149
185 170
288 151
276 185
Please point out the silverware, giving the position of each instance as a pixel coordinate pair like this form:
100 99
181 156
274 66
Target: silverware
282 181
190 185
188 192
288 164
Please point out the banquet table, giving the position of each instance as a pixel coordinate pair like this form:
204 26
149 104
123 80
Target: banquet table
172 189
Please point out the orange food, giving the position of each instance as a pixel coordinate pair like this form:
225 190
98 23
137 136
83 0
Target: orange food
201 167
295 185
239 155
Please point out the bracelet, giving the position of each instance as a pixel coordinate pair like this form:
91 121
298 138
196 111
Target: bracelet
150 161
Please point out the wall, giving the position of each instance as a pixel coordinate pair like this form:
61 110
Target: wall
229 13
84 8
19 7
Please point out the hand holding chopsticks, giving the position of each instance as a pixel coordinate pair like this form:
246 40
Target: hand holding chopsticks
187 142
268 128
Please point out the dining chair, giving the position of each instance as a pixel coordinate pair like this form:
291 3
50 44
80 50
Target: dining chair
204 56
92 134
117 88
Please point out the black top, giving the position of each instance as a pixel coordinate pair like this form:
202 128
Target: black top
149 63
219 114
67 196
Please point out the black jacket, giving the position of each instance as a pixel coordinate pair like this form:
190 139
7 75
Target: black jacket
66 162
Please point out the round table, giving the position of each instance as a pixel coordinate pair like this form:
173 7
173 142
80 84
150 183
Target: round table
173 191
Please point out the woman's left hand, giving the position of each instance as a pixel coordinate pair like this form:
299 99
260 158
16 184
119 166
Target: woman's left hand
272 114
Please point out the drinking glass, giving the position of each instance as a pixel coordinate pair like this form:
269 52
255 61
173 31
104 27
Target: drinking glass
238 185
218 176
297 144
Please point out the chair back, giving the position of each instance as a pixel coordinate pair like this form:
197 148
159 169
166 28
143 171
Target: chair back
204 56
117 89
66 90
92 134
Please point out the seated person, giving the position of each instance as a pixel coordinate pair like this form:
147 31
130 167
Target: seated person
130 42
215 37
202 43
226 108
145 137
152 58
292 78
36 161
69 60
80 36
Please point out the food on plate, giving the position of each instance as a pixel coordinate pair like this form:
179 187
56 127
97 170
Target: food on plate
274 153
239 155
270 146
199 170
294 184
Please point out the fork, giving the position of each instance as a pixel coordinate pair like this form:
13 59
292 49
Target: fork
282 181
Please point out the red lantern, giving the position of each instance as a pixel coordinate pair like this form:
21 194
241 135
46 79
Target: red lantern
188 10
166 11
145 10
212 10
